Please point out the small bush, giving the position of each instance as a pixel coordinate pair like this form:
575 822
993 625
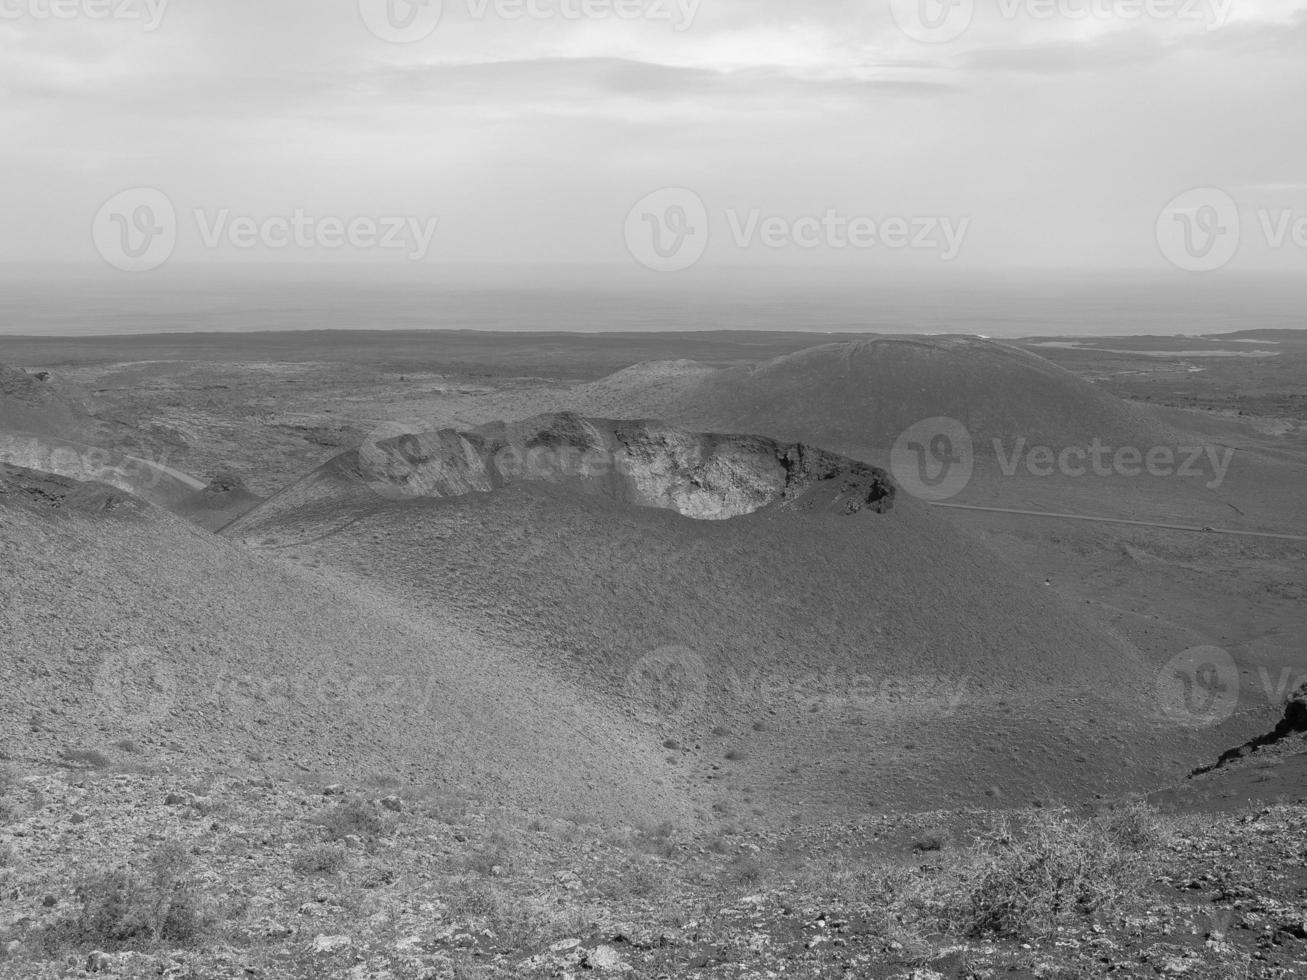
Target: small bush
1055 870
1135 825
514 922
638 878
659 839
323 860
140 909
355 818
495 853
379 877
745 872
89 758
931 841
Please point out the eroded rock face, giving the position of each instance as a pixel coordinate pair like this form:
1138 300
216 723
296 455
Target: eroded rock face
1295 711
648 464
1294 722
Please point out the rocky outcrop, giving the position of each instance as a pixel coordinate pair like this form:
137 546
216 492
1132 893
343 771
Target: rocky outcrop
1294 722
647 464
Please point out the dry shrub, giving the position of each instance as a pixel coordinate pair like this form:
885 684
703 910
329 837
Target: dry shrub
139 908
89 758
321 860
745 872
353 818
1052 871
1022 879
496 852
514 922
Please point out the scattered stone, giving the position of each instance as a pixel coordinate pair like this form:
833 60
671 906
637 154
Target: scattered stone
568 880
331 944
606 959
1296 928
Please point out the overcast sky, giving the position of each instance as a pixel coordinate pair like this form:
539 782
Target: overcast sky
1045 132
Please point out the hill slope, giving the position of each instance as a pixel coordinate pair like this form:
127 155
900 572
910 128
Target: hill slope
51 427
123 621
1020 413
858 397
809 641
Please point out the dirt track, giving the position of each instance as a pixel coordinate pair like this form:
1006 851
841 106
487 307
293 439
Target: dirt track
1117 520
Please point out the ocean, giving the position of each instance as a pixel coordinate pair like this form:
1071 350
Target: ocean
47 301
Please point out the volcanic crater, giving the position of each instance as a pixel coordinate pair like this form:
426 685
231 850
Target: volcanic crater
641 463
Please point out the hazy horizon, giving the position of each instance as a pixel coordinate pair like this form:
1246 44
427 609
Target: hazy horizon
59 301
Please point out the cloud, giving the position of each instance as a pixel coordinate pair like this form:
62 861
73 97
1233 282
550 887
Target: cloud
1062 136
